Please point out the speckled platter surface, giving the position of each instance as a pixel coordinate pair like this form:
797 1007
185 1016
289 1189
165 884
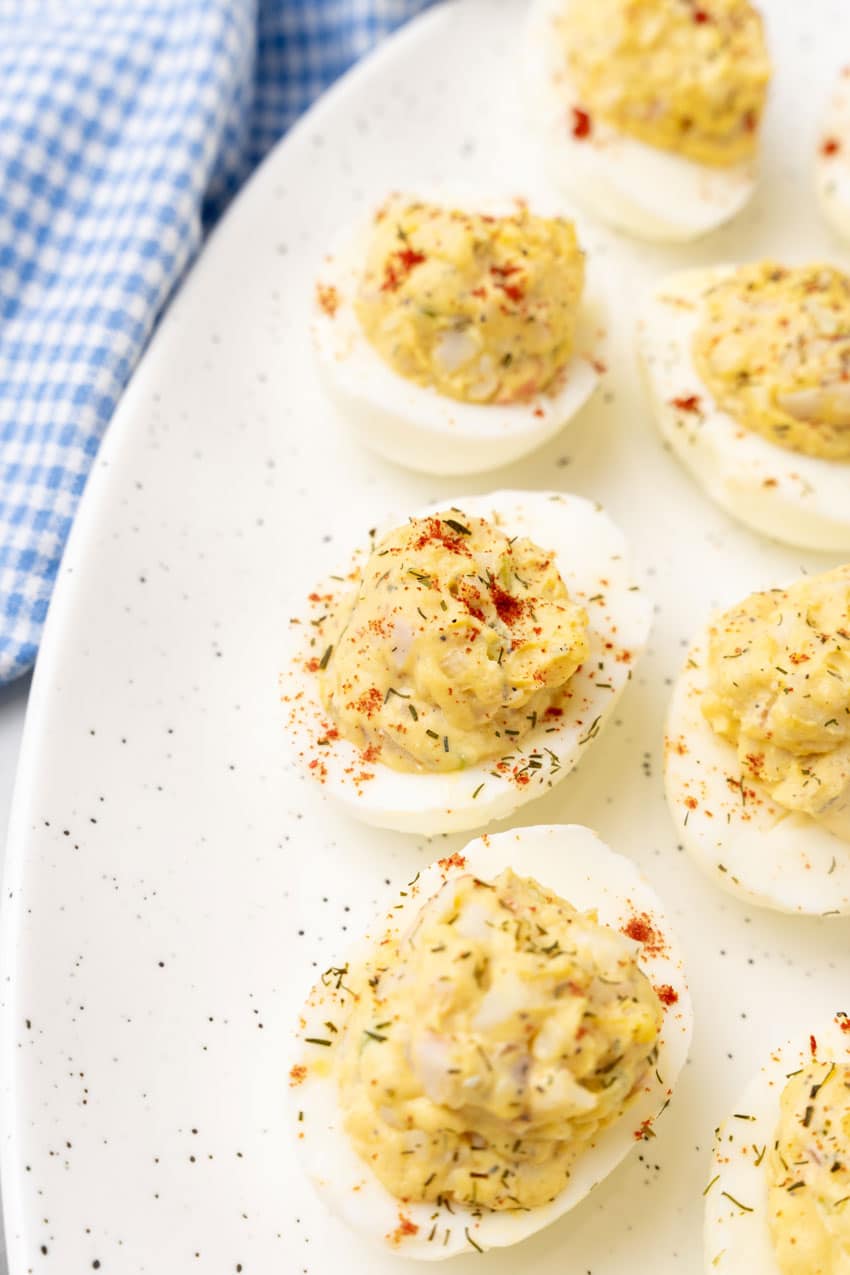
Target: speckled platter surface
173 887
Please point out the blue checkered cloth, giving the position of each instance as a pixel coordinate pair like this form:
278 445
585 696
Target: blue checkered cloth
125 128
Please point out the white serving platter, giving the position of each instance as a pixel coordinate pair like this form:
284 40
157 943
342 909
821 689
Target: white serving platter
173 886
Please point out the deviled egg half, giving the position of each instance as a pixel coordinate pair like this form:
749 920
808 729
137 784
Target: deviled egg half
749 372
650 109
832 162
493 1047
456 336
757 756
462 666
778 1199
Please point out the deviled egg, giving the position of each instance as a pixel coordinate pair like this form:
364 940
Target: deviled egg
650 109
749 372
778 1199
832 163
457 337
462 666
758 747
493 1047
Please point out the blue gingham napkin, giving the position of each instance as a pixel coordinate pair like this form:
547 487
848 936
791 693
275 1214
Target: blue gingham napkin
125 127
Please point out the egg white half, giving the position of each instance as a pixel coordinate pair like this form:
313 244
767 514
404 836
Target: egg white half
592 557
647 192
574 863
416 425
738 1241
734 830
799 500
832 162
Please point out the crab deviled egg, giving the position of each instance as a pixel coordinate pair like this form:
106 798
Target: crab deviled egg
749 372
464 664
777 1199
650 109
757 758
457 336
494 1046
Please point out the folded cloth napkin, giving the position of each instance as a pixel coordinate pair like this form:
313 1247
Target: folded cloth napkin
125 128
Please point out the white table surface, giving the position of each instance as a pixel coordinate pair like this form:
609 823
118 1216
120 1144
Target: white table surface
13 702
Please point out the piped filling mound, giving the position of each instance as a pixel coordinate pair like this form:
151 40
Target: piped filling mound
688 76
455 643
482 309
491 1043
808 1171
773 347
778 689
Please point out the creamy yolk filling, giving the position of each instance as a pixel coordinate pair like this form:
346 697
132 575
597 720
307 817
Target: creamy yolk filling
688 76
455 643
808 1173
779 690
773 347
491 1043
482 309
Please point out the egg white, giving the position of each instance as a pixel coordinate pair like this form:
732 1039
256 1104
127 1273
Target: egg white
416 425
738 1242
832 171
591 555
744 840
796 499
647 192
574 863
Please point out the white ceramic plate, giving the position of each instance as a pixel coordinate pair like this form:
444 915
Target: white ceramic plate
172 887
